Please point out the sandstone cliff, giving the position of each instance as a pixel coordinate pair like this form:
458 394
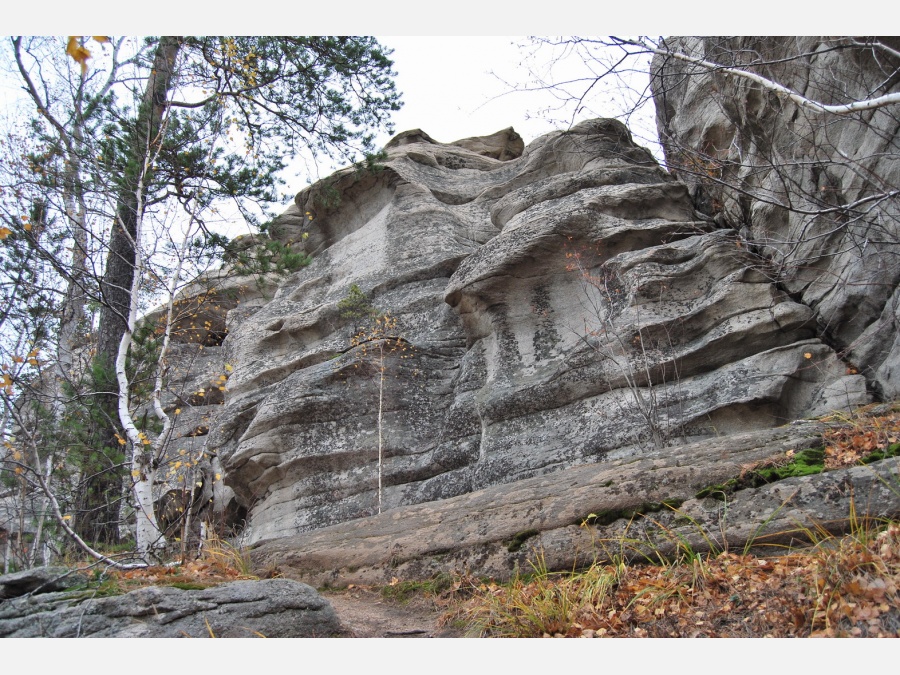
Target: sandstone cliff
477 314
815 193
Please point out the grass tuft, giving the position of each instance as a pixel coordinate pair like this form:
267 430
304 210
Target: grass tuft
403 591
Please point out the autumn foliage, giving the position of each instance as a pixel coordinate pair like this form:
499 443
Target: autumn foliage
846 587
839 587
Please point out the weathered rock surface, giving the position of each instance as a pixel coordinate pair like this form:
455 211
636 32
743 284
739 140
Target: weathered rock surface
270 608
748 153
497 530
38 580
561 307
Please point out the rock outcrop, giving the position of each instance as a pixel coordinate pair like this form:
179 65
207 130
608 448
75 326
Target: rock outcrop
269 608
636 509
816 193
477 314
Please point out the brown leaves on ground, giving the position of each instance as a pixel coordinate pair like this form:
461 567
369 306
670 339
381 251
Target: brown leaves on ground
846 587
858 437
218 563
193 575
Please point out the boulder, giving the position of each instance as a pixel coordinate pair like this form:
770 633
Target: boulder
269 608
38 580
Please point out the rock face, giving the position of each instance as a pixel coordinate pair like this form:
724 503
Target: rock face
816 193
271 608
477 314
595 512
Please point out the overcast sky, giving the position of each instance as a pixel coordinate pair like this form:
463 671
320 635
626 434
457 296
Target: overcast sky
456 87
446 80
453 86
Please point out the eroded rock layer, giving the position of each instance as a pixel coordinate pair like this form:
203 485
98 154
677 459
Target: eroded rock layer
814 192
477 313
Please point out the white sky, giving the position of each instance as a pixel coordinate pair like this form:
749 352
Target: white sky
453 90
448 89
451 85
456 87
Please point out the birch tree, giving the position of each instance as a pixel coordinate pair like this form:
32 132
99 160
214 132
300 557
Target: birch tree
180 124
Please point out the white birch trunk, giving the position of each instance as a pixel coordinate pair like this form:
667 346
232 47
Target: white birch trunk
147 535
148 538
48 474
7 554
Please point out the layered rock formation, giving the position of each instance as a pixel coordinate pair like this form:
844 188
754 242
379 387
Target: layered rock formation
476 314
637 508
49 602
815 192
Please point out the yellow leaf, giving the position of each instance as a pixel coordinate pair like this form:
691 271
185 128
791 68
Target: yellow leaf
5 232
78 52
218 476
177 411
807 355
100 38
27 227
119 439
135 474
228 367
67 517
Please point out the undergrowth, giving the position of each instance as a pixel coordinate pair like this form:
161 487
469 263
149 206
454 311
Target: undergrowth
219 562
842 587
403 591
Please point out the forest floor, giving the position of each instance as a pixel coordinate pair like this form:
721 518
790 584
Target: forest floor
842 586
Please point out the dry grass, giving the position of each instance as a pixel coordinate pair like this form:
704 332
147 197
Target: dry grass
842 587
219 562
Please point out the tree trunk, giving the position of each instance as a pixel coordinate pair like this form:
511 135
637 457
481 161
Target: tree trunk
99 508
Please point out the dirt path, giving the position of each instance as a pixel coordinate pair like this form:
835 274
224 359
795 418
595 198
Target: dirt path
367 614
